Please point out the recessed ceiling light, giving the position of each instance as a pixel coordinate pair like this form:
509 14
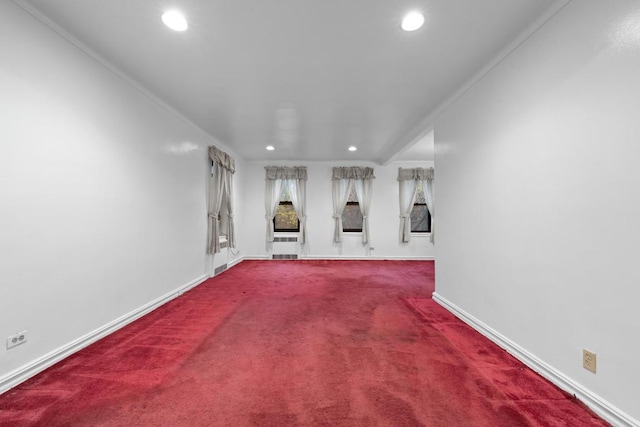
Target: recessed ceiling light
270 147
352 148
412 21
175 20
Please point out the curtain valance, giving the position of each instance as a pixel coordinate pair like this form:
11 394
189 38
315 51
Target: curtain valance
353 172
221 158
286 172
420 174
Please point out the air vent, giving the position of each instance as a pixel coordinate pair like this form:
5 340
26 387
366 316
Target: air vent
220 269
285 256
223 244
285 239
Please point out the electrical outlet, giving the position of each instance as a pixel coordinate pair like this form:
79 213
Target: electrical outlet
16 339
589 360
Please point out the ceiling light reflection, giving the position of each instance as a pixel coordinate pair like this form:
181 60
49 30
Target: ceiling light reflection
412 21
175 20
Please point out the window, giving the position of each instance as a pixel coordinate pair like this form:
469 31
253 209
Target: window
352 216
420 215
286 219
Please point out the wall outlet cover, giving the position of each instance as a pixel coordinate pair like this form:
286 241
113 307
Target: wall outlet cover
16 339
589 360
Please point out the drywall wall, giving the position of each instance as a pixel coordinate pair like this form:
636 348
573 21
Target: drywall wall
384 218
102 190
538 203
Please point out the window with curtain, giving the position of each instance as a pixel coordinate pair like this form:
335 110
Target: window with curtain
352 216
420 215
416 202
288 183
286 219
220 212
345 181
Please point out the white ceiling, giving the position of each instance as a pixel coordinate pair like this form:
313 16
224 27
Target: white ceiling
309 77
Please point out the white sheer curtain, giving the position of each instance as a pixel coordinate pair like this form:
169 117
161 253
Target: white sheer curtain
408 191
408 179
216 190
341 189
298 192
343 179
231 231
220 183
272 192
363 190
427 184
295 179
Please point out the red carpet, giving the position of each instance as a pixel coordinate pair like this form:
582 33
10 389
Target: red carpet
295 343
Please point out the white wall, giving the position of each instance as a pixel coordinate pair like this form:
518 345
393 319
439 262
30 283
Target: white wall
538 197
384 220
102 193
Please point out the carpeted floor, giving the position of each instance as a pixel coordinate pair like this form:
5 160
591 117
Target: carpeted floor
295 343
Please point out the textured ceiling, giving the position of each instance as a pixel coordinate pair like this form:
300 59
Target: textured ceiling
309 77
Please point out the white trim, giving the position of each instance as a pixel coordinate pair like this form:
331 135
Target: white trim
353 258
234 262
599 405
38 365
376 258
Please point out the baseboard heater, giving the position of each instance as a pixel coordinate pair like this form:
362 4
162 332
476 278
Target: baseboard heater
284 256
285 239
220 269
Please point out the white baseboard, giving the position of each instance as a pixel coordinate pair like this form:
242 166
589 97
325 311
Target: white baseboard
239 259
234 262
352 258
372 258
29 370
329 258
599 405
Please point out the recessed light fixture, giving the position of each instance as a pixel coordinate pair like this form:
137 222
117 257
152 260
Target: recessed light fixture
412 21
352 148
175 20
270 148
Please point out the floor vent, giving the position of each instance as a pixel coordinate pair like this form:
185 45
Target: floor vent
220 269
285 239
285 256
